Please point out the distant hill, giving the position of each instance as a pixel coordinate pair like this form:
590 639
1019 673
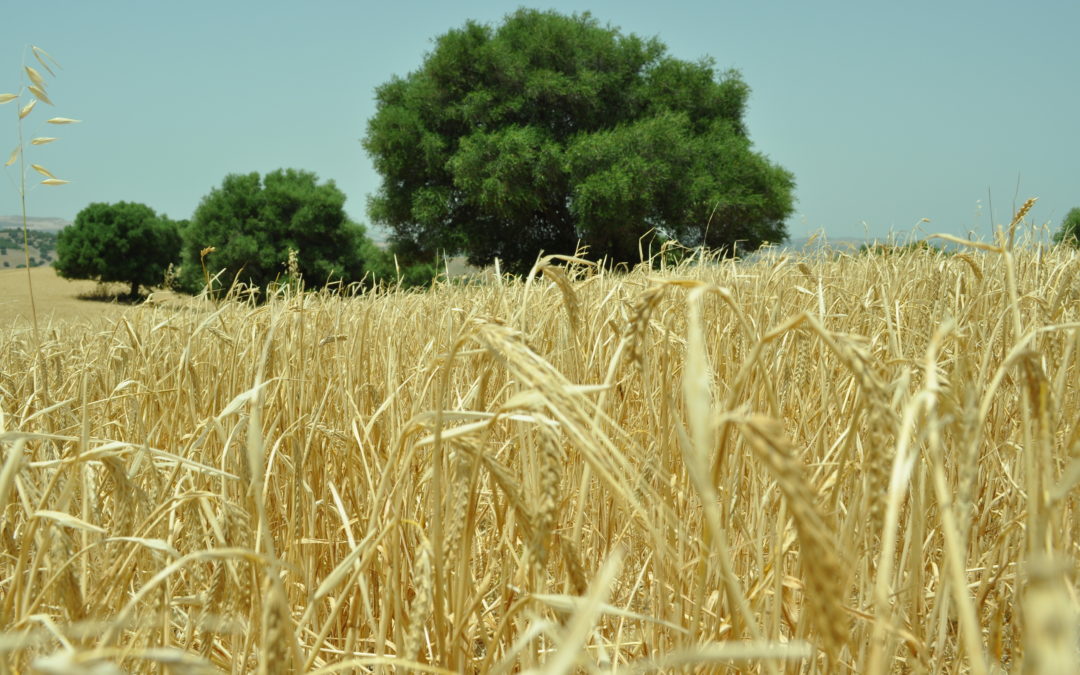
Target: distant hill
39 224
41 233
42 245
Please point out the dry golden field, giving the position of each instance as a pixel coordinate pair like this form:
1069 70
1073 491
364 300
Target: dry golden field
58 300
860 464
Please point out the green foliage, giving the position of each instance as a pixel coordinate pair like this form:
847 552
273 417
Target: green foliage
1070 229
252 223
125 242
893 248
550 130
386 268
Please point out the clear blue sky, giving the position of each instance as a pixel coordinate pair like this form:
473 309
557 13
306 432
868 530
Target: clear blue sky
885 112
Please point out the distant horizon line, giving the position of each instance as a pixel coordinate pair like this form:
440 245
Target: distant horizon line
55 224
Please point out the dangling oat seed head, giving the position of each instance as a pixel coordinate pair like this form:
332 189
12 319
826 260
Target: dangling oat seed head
7 98
55 181
41 140
27 108
39 53
35 77
42 170
39 94
14 156
63 120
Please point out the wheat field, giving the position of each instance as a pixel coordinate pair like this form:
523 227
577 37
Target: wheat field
844 463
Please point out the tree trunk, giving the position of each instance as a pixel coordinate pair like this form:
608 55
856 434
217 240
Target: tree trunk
134 290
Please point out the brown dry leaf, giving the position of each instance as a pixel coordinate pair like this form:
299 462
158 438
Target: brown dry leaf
63 120
14 156
42 170
35 76
7 98
41 140
39 53
27 108
55 181
39 93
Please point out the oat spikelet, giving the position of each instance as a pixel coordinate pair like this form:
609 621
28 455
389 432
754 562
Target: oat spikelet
35 76
42 170
39 94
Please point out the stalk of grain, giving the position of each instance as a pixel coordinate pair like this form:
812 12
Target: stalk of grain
570 299
640 316
421 604
698 401
825 578
1051 617
276 653
549 462
957 518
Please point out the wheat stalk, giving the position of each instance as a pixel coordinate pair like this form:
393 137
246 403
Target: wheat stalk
866 462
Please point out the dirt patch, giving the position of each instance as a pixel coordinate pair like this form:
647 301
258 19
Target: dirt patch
57 299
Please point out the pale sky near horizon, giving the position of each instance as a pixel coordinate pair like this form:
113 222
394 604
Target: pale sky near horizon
886 113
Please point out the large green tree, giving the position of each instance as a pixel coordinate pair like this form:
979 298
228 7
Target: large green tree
1070 228
125 242
551 129
253 222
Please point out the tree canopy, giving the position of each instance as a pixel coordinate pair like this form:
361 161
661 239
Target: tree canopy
1070 228
551 129
125 242
252 223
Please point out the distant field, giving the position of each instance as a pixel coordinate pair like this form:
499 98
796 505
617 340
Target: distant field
829 463
57 299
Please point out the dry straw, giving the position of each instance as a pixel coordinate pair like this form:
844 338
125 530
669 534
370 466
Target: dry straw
839 463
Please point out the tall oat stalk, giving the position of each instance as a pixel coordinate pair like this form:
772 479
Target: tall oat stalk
35 90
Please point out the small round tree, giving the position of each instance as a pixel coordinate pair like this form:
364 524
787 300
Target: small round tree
252 224
1070 229
550 130
125 242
